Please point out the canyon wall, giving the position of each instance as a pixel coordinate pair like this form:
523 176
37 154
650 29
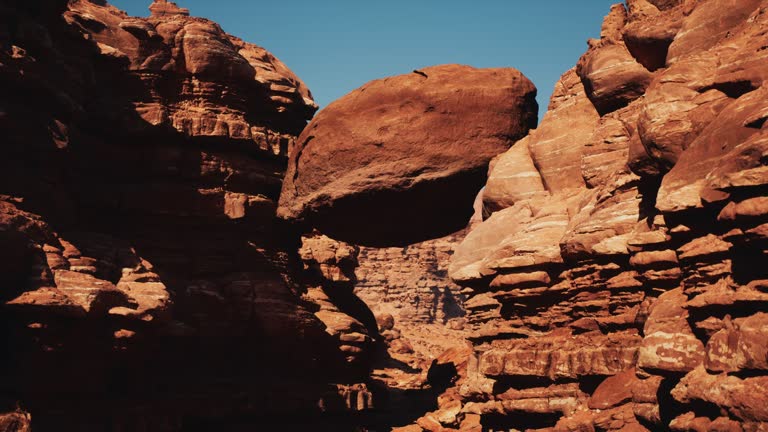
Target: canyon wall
145 282
617 281
182 251
368 183
411 283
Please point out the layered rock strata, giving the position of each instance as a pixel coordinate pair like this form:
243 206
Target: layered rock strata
617 279
143 274
367 179
411 283
612 277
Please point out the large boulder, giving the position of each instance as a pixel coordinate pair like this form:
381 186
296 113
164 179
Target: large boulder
401 159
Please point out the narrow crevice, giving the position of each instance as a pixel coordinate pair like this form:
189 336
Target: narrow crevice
732 89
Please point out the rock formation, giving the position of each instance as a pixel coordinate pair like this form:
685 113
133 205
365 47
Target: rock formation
368 180
617 279
179 250
161 8
142 271
370 168
411 283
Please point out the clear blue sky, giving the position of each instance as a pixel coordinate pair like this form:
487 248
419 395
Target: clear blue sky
336 46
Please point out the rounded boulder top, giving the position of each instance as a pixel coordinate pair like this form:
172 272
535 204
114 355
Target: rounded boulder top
401 159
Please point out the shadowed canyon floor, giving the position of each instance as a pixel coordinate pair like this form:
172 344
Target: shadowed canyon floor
186 246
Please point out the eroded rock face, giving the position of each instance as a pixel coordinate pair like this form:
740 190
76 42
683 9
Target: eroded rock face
366 180
370 167
411 283
140 258
612 277
191 77
617 279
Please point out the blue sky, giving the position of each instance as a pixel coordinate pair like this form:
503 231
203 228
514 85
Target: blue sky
336 46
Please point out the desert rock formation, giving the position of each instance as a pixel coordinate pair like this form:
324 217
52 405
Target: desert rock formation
143 272
411 283
180 249
370 167
617 279
367 181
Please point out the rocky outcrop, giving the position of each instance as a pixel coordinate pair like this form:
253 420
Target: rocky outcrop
191 77
329 267
378 273
18 421
384 292
140 239
395 143
612 276
142 270
615 280
162 8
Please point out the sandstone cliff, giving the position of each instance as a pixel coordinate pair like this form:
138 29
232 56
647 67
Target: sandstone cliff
612 277
145 280
370 168
617 279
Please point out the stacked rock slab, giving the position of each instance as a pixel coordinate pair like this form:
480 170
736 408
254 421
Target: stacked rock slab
144 280
618 279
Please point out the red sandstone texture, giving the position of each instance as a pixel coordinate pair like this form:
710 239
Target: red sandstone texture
145 280
411 283
370 167
143 271
617 280
612 277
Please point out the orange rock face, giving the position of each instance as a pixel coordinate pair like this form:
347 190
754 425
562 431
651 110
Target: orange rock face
191 77
622 245
396 143
411 282
162 8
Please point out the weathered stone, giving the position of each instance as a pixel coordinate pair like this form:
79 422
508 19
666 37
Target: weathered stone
669 343
412 135
740 345
554 358
742 398
612 77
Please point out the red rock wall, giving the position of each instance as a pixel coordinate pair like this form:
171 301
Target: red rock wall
142 272
614 269
617 281
411 283
399 160
379 180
